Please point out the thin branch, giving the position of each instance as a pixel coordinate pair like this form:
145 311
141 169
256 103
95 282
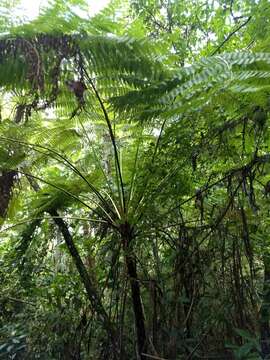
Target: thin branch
18 300
153 357
213 227
230 35
257 160
197 346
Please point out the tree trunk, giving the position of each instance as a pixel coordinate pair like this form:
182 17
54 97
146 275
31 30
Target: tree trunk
127 236
265 311
91 290
86 279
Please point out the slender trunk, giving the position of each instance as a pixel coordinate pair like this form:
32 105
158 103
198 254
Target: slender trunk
154 314
265 311
91 290
89 286
7 181
127 236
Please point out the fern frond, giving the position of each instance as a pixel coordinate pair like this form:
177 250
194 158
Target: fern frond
192 87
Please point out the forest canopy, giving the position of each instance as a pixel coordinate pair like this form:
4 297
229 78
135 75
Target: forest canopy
135 181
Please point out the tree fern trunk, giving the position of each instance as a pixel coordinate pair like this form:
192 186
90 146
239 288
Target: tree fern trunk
127 237
265 311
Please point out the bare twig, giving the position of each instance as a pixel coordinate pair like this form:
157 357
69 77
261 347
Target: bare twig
196 347
230 35
18 300
153 357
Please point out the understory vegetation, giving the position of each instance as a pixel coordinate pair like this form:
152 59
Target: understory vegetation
135 181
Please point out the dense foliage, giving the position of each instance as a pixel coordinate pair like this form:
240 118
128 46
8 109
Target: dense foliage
135 181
